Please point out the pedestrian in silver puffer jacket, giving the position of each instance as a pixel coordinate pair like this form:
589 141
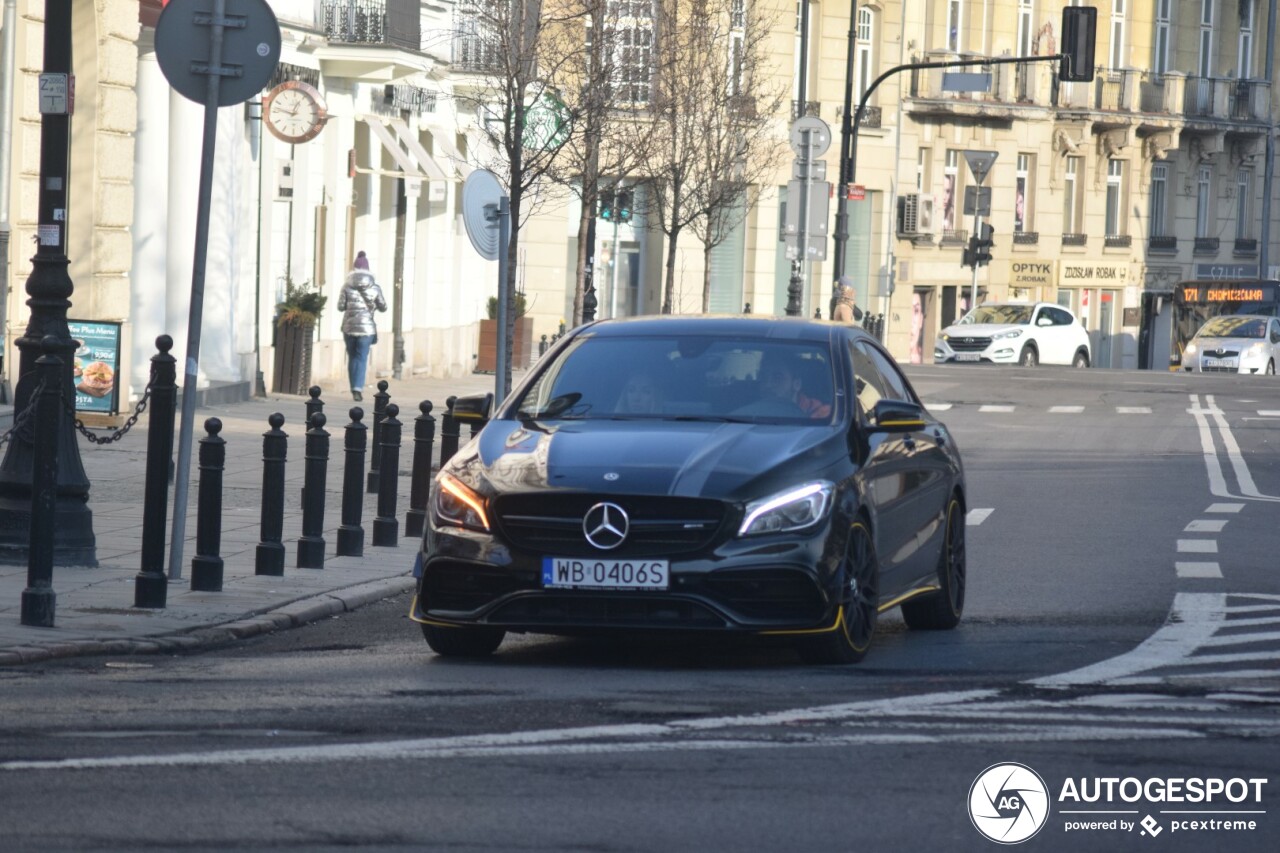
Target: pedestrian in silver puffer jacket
360 298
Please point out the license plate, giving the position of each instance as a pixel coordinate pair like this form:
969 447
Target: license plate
570 573
1216 362
968 356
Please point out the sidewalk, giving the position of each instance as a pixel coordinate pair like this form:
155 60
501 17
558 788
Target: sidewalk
94 612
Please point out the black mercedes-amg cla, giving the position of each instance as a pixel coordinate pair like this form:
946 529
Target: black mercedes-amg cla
776 477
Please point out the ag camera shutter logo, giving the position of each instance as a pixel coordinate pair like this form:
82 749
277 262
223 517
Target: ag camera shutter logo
1008 803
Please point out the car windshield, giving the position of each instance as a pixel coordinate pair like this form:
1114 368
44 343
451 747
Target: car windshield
1234 327
1002 314
685 377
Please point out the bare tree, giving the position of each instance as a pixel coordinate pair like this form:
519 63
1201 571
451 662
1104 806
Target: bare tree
711 123
514 73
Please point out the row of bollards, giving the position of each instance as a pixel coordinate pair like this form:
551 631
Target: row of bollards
379 442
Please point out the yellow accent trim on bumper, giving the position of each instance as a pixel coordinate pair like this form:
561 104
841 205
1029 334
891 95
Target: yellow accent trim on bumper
839 621
413 609
913 594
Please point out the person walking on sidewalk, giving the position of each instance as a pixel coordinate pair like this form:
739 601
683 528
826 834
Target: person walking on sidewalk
844 310
360 298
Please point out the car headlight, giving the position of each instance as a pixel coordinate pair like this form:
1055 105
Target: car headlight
945 336
1012 333
456 504
1257 348
794 509
1190 350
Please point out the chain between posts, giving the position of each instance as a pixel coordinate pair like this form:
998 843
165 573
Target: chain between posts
21 418
94 438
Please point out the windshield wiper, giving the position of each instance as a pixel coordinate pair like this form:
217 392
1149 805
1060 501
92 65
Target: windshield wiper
723 419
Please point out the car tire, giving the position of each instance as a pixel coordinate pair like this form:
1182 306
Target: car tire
1081 359
1271 368
463 642
1029 357
849 640
942 610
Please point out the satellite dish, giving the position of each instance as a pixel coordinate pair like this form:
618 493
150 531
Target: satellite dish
480 194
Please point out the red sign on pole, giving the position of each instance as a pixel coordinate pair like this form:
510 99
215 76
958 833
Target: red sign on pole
856 192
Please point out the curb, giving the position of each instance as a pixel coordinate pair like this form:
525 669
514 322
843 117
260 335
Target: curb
295 614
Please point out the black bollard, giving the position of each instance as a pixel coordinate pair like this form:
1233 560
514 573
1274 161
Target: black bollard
386 530
450 432
314 403
206 565
38 599
380 401
151 587
424 436
269 559
542 346
311 542
350 533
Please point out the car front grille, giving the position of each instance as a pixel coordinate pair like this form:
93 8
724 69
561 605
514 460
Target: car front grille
1228 369
969 344
660 526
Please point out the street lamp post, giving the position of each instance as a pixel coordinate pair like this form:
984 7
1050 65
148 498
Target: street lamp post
49 287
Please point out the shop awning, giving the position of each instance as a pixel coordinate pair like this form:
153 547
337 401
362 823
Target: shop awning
425 161
447 151
388 140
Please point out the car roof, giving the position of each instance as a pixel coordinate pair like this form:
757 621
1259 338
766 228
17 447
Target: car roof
728 325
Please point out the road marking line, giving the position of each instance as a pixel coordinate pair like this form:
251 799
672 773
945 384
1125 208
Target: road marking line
1205 525
1225 507
1197 546
1067 410
1250 623
1198 570
1200 660
1269 413
937 407
1133 410
974 517
992 408
1241 639
1193 618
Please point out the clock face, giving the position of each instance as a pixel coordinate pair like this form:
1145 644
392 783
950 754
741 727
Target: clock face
294 111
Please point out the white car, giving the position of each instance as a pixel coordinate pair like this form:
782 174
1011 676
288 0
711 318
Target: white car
1234 343
1015 333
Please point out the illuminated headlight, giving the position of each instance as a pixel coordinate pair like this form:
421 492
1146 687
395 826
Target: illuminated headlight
1190 350
454 503
1257 348
794 509
945 336
1012 333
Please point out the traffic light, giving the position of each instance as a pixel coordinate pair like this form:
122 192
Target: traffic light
606 205
978 252
624 206
1079 32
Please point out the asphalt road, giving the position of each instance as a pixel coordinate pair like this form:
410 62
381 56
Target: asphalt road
1121 623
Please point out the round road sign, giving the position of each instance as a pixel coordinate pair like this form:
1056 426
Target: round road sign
250 48
819 136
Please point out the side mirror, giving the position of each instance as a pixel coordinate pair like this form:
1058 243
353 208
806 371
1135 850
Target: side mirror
476 407
1044 321
897 416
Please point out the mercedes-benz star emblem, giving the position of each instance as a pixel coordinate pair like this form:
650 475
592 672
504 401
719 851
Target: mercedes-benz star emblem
605 525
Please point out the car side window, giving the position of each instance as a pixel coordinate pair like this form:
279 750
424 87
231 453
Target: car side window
1275 331
1059 317
875 377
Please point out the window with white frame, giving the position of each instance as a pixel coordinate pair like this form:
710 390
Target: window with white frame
922 169
955 25
950 189
1244 203
1026 26
1023 190
1115 198
477 45
1203 199
1164 29
1072 185
1159 198
631 38
864 47
737 32
1244 68
1205 65
1117 51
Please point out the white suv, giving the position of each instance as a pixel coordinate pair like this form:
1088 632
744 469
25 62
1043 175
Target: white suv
1015 332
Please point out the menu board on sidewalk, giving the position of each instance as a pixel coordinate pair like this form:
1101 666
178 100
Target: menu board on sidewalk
97 362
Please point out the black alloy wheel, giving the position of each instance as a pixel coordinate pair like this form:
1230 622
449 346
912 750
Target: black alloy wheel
942 610
1029 356
859 605
463 642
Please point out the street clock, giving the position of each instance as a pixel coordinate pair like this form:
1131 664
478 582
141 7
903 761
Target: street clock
294 111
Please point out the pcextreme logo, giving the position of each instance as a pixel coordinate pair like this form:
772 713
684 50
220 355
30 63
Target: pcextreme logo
1008 803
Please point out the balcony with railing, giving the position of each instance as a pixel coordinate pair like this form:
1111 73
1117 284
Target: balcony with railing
1206 246
395 23
1117 241
1162 244
1246 246
1075 239
808 108
1026 238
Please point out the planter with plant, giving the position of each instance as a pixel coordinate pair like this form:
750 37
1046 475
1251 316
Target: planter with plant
296 319
522 344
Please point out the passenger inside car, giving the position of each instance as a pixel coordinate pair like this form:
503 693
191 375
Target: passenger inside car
782 381
640 395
